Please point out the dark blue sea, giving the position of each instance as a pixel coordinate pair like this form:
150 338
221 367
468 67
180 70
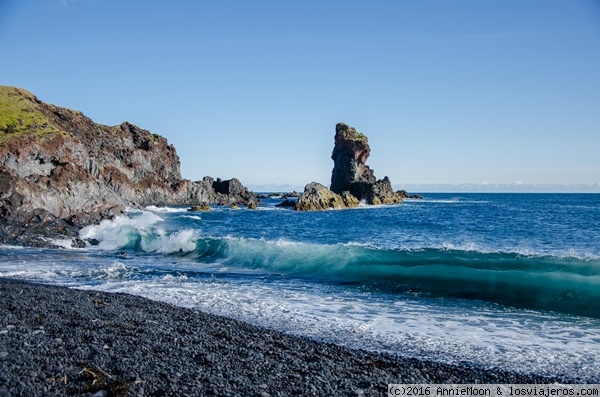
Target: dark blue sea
500 280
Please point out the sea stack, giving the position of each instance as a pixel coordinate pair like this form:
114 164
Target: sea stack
352 174
350 171
352 181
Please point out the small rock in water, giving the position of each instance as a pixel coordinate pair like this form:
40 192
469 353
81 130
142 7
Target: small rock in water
77 243
358 392
3 355
101 393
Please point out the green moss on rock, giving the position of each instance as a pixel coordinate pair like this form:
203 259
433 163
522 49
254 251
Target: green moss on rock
20 114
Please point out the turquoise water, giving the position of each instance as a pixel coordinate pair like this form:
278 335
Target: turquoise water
502 280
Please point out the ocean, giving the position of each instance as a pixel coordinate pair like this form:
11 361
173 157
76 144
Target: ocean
508 281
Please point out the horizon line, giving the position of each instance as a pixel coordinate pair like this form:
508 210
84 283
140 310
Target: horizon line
454 188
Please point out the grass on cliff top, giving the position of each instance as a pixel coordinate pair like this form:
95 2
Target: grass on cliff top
20 114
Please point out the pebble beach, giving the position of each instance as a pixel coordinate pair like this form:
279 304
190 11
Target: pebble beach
57 341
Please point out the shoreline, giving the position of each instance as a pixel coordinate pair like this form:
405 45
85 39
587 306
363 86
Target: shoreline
57 340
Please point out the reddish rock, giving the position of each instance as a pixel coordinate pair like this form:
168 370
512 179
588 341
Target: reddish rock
60 161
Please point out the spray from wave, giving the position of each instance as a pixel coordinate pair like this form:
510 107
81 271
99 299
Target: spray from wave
140 233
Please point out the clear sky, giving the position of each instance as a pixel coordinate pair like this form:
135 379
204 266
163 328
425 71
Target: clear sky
472 93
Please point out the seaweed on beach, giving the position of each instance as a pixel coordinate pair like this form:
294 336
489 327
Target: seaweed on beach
97 379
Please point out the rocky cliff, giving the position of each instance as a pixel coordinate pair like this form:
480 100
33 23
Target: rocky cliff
352 180
58 162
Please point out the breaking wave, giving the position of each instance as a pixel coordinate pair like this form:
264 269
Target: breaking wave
525 280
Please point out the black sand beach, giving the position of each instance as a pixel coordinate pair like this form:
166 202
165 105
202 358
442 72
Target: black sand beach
56 341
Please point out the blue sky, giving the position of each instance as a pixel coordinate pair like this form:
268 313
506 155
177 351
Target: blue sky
479 94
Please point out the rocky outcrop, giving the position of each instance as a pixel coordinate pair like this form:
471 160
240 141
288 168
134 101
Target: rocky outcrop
317 197
60 161
352 181
350 154
21 224
351 173
287 203
232 192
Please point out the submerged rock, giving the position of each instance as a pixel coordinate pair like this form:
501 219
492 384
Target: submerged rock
200 208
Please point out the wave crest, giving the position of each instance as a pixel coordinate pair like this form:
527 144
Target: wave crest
140 233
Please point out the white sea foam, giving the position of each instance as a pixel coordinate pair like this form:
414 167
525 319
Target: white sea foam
163 243
154 208
518 340
63 243
520 251
114 271
143 228
169 278
11 247
118 232
195 217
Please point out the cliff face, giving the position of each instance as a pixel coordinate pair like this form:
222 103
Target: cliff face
60 161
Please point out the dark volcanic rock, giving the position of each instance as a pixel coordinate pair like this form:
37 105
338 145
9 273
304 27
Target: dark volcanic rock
351 173
350 154
233 191
59 160
287 203
34 228
381 192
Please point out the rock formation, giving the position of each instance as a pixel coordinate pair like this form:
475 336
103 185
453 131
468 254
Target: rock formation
350 153
58 162
317 197
351 173
352 180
